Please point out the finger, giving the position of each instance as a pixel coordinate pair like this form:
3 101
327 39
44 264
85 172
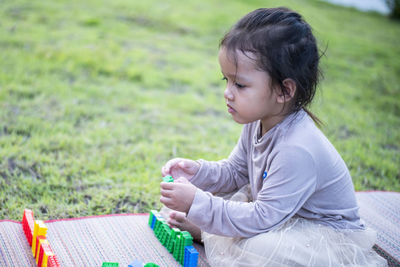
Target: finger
173 223
166 201
166 193
167 186
163 171
182 164
182 180
178 216
189 165
170 164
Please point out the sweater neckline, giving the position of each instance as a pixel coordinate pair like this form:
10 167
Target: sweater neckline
291 118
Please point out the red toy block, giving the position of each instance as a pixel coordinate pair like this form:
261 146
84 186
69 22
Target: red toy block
45 252
53 261
38 242
28 224
40 250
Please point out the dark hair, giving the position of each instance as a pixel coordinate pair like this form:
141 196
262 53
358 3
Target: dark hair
285 48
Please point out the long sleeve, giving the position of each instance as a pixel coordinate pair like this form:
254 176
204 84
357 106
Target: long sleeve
291 180
224 175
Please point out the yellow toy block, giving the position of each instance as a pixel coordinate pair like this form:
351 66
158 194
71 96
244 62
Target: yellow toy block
41 242
45 253
38 239
39 229
46 256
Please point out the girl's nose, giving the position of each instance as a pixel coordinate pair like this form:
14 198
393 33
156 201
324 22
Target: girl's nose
228 94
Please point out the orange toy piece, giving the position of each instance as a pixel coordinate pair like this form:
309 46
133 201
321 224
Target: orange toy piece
28 224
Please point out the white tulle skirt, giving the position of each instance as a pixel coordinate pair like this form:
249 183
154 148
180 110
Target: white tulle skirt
298 242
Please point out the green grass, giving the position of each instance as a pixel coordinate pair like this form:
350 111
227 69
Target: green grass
96 95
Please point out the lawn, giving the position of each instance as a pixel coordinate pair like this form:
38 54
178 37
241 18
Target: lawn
96 95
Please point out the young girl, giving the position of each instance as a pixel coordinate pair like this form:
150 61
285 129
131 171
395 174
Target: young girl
293 201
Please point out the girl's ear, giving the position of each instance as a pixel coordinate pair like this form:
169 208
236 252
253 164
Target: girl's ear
290 90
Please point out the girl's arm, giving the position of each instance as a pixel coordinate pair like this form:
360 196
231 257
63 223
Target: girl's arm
290 182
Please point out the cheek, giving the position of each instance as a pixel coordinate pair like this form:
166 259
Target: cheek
262 99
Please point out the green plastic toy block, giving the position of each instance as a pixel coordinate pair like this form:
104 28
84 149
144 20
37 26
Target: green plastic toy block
151 216
177 244
173 239
158 226
110 264
186 240
168 179
171 244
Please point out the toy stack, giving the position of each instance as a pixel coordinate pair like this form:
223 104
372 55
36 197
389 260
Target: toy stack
35 232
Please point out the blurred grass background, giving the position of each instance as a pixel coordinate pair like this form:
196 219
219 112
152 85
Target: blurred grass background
95 96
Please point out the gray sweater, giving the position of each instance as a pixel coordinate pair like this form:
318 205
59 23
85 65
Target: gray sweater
292 170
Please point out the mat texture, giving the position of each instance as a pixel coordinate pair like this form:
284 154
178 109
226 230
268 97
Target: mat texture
122 238
381 212
90 241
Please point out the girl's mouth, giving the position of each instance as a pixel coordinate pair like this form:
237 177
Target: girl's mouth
230 109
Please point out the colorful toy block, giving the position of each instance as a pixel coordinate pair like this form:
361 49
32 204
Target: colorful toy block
39 229
35 232
28 224
171 243
175 252
191 257
136 263
159 226
174 240
52 261
186 240
110 264
45 252
168 179
39 242
152 218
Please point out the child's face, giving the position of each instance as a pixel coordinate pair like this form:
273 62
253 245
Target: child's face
248 94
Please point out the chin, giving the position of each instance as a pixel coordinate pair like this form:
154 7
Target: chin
242 120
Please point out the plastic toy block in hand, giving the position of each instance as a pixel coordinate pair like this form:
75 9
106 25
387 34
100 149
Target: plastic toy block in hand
168 179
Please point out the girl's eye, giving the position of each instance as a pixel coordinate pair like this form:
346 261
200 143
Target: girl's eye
240 86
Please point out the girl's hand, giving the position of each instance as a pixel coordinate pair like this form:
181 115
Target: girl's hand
178 195
180 167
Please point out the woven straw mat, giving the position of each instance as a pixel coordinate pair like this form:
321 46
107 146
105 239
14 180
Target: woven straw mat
122 238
